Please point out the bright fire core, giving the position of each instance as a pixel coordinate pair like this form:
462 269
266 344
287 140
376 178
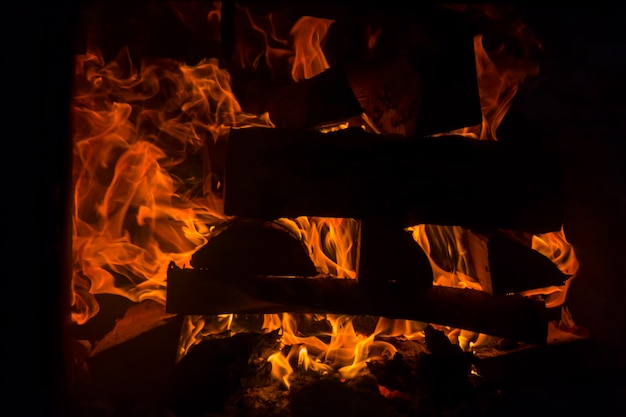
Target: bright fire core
140 201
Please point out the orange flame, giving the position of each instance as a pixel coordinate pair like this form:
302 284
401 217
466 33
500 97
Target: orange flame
347 351
133 211
308 35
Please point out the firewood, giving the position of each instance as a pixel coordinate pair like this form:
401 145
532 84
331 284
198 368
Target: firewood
390 254
504 265
414 74
192 291
501 261
451 180
322 99
243 248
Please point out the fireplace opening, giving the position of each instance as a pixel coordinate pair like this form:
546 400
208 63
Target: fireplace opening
302 209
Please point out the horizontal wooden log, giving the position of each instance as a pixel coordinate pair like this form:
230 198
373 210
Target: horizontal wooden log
450 180
191 291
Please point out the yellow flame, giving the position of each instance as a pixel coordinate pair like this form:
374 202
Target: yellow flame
281 368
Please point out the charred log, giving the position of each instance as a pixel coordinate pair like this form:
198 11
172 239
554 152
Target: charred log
501 261
322 99
452 180
191 291
246 248
505 265
390 254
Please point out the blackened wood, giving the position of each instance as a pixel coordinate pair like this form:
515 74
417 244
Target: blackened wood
506 263
515 267
244 248
450 180
390 254
444 55
191 291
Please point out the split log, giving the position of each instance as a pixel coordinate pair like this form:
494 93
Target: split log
243 248
191 291
450 180
323 99
504 265
390 254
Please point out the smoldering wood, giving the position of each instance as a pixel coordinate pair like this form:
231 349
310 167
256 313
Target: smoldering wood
192 292
447 180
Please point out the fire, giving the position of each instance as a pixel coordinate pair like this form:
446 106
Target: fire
139 204
309 34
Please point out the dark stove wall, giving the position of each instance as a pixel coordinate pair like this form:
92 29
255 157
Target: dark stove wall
576 103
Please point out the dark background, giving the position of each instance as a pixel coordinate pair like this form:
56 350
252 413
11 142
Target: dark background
578 103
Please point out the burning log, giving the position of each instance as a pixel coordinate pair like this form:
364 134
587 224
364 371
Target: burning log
192 291
323 99
413 75
388 253
451 180
504 265
246 248
501 261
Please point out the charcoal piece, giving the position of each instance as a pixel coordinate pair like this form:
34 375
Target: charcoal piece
332 398
208 375
446 370
395 374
